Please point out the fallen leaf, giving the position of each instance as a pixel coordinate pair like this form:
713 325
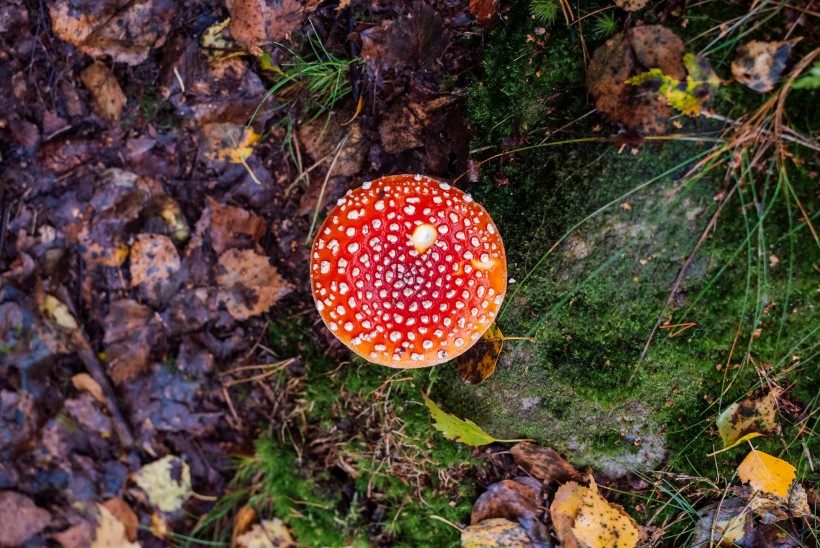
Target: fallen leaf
217 46
495 533
227 142
271 533
543 463
759 65
109 100
631 5
722 524
155 266
748 419
59 313
321 139
86 383
485 11
690 96
412 40
126 31
766 473
232 227
123 512
456 429
257 23
583 518
242 522
772 508
111 532
167 482
248 284
131 332
21 518
478 363
77 536
517 500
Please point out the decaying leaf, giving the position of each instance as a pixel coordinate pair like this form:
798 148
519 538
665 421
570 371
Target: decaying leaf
772 508
688 97
217 46
479 361
519 500
232 227
111 531
154 264
321 138
257 23
543 463
271 533
456 429
248 284
131 331
167 482
495 533
109 100
21 518
759 65
86 383
412 40
485 11
628 54
767 473
58 312
124 30
120 510
722 523
583 518
631 5
747 419
227 142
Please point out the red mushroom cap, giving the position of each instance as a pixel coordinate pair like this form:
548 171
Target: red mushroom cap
408 271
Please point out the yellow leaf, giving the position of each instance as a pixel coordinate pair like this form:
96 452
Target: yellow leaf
766 473
478 363
747 437
690 96
110 531
601 524
167 482
228 142
747 419
495 533
59 313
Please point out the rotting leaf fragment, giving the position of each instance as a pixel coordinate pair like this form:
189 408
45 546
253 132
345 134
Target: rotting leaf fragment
759 65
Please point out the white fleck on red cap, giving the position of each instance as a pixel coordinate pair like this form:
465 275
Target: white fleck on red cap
408 271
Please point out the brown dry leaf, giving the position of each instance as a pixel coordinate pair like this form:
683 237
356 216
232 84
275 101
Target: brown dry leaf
748 419
583 518
257 23
86 383
242 521
111 532
231 226
631 5
478 363
321 139
271 533
248 284
109 100
485 11
759 65
767 473
154 261
723 524
495 533
412 40
131 331
518 500
21 518
543 463
626 55
227 142
124 30
123 512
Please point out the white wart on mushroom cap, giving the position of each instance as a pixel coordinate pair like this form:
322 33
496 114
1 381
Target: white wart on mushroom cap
408 271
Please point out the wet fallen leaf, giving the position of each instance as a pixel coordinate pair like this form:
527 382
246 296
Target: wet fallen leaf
86 383
227 142
766 473
217 45
478 363
412 40
631 5
271 533
154 265
248 284
125 31
723 524
456 429
485 11
77 536
131 332
495 533
582 517
232 227
167 482
517 500
321 139
257 23
21 518
759 65
111 532
242 522
543 463
123 512
690 96
772 508
109 100
748 419
628 54
59 313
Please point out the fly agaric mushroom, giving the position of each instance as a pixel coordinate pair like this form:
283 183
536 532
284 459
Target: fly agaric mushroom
408 271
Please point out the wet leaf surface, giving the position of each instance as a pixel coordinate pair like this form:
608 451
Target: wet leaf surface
478 363
248 284
518 500
21 518
544 463
258 23
166 481
747 419
109 100
760 65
